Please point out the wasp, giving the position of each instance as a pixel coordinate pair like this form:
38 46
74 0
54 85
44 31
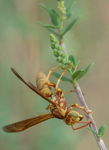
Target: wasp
57 104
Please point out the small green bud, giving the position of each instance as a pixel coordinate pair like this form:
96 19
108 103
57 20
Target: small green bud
59 59
63 55
55 51
63 12
52 38
63 61
60 53
52 45
63 67
60 9
55 45
62 3
58 47
56 42
61 49
64 18
55 54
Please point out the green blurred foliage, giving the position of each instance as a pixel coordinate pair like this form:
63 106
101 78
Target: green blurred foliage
25 46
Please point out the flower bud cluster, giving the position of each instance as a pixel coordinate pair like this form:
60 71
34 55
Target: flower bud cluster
62 58
62 9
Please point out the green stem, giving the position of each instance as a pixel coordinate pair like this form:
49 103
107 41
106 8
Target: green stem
74 83
60 26
60 23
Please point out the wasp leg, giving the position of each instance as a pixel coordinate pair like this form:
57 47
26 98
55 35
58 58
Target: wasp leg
87 122
76 105
50 72
69 91
48 76
58 91
51 84
59 79
48 107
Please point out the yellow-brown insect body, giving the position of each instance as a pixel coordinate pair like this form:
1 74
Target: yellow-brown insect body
57 104
59 111
40 82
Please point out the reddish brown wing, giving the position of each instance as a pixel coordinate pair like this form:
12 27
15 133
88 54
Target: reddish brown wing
32 87
24 124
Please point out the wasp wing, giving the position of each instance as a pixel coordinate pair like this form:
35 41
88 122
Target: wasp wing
24 124
32 87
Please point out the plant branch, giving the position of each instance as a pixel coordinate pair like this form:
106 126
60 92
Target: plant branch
92 125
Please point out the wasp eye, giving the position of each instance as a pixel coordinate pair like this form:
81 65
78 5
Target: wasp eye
81 117
67 119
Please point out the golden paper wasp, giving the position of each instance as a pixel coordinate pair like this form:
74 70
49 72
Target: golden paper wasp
58 107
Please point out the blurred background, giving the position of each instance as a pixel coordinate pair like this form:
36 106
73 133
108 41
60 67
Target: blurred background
25 46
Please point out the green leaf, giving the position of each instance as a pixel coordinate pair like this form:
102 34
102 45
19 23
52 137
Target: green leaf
51 12
70 6
80 75
92 131
54 18
72 58
57 75
101 130
86 70
88 67
51 26
52 31
68 15
77 73
70 25
77 64
40 23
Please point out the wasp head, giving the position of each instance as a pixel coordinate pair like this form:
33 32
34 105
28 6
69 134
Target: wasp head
73 117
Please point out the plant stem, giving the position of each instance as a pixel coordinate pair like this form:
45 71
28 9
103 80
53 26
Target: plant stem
63 46
92 125
60 21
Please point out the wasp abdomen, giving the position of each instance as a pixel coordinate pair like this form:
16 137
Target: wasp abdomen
40 82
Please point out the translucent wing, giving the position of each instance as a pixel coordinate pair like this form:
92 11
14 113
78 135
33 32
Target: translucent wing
32 87
24 124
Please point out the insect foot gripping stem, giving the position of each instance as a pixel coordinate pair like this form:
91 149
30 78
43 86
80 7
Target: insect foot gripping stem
76 105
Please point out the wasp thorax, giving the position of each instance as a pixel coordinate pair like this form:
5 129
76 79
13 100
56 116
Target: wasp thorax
42 86
59 111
